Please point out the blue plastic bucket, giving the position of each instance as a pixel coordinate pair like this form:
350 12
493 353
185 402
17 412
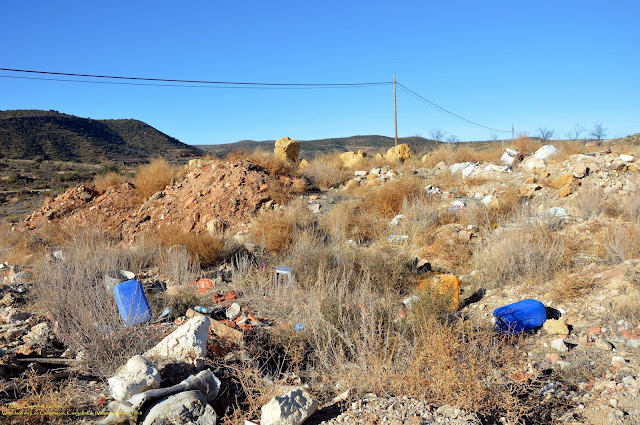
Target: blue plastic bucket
520 316
132 303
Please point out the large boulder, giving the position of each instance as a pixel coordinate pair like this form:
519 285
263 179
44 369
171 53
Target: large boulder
400 153
293 408
136 376
186 408
287 149
350 159
185 344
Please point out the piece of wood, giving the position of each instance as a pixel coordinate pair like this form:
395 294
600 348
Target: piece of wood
226 332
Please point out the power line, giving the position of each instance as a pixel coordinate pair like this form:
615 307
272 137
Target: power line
172 80
441 109
188 85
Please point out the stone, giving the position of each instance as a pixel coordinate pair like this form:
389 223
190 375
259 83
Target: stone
185 344
351 184
531 164
185 408
595 330
553 357
556 327
233 311
565 190
627 157
562 181
7 300
546 152
580 170
11 315
38 335
303 164
351 159
136 376
401 153
287 149
559 345
603 344
293 408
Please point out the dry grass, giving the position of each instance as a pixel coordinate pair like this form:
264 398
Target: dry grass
526 145
571 287
275 229
203 247
528 252
326 171
387 200
590 201
622 242
73 292
108 180
451 153
349 220
274 166
152 178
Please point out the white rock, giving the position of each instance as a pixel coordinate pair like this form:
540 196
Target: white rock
189 407
546 152
531 164
627 158
459 166
617 359
293 408
468 170
397 219
559 345
486 201
185 344
498 168
136 376
233 311
360 173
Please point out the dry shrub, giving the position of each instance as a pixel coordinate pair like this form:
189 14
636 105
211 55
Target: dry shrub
531 252
110 179
152 178
240 153
509 202
387 200
273 165
203 247
451 153
526 145
184 299
350 220
589 201
622 242
275 229
73 292
326 171
630 208
23 248
571 287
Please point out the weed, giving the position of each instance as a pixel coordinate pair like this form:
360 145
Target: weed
204 247
153 177
326 171
110 179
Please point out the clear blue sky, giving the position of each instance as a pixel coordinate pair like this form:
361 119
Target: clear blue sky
536 64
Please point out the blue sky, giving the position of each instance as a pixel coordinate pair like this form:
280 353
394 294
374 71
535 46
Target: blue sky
533 64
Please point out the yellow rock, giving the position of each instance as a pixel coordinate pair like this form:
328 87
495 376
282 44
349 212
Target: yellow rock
565 190
371 176
287 149
530 179
379 157
425 157
400 153
304 163
215 226
351 184
350 159
563 181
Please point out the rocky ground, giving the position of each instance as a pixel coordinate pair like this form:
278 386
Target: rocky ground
583 363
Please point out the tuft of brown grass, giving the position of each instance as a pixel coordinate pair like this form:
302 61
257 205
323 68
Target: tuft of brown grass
240 153
590 201
387 200
349 220
108 180
273 165
152 178
451 153
275 229
526 145
326 171
203 247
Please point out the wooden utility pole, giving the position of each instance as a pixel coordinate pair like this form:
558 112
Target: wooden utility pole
395 109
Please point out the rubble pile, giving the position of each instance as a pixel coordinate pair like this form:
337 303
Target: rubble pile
213 197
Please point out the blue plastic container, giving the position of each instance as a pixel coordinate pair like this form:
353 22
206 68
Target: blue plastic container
520 316
132 303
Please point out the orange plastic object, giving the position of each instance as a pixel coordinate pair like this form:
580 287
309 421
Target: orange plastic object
205 285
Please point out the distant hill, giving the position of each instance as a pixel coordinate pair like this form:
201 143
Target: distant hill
51 135
308 148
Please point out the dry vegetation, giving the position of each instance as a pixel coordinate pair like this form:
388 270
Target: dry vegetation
102 182
153 177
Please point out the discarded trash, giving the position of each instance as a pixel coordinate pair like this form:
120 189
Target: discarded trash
204 285
397 220
132 303
546 152
167 312
432 190
458 204
558 212
284 271
444 284
520 316
299 327
114 277
203 310
397 239
498 168
511 157
410 300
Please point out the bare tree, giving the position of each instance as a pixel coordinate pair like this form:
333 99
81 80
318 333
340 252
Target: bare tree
599 131
493 136
437 134
545 134
453 139
576 131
